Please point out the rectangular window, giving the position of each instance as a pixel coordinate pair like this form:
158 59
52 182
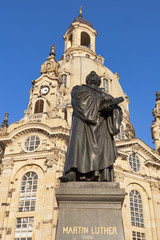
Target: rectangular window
25 204
24 228
64 80
106 85
138 236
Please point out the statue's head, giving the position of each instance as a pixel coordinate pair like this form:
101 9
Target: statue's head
93 79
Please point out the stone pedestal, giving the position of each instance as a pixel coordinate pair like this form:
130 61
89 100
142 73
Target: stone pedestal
90 211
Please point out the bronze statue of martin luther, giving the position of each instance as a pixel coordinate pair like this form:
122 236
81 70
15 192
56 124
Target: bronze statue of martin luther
96 119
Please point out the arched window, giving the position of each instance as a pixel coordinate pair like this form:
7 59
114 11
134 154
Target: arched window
24 228
70 41
28 192
85 39
64 80
134 162
65 114
121 134
39 106
1 152
106 85
136 209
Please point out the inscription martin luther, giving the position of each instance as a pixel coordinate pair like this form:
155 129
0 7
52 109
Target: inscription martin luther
90 230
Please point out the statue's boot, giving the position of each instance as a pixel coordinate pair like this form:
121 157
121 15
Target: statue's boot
94 177
91 176
68 177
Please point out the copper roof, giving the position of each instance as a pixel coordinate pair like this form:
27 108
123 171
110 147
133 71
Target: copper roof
82 20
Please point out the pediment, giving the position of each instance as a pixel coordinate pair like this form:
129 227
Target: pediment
45 77
136 145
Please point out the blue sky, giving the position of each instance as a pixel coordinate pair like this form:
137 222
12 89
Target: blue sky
128 38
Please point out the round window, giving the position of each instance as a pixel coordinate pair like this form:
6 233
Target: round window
31 143
134 162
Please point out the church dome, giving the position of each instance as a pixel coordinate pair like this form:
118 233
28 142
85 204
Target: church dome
82 20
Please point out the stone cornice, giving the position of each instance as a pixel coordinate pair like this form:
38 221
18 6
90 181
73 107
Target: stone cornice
80 48
46 75
79 24
24 156
59 132
150 163
122 144
133 176
122 154
90 191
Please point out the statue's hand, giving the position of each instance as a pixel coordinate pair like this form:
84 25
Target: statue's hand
109 100
106 107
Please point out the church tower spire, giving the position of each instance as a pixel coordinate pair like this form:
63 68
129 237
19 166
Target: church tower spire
155 128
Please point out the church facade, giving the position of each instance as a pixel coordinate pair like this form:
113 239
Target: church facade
33 149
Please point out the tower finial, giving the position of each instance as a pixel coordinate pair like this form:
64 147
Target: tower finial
52 52
157 96
80 12
5 121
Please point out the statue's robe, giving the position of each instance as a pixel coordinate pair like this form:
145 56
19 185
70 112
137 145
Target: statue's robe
91 145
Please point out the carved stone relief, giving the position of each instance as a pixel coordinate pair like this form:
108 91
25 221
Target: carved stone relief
155 186
128 132
7 163
51 161
59 96
3 131
118 177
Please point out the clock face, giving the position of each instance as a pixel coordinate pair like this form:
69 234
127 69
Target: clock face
44 90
